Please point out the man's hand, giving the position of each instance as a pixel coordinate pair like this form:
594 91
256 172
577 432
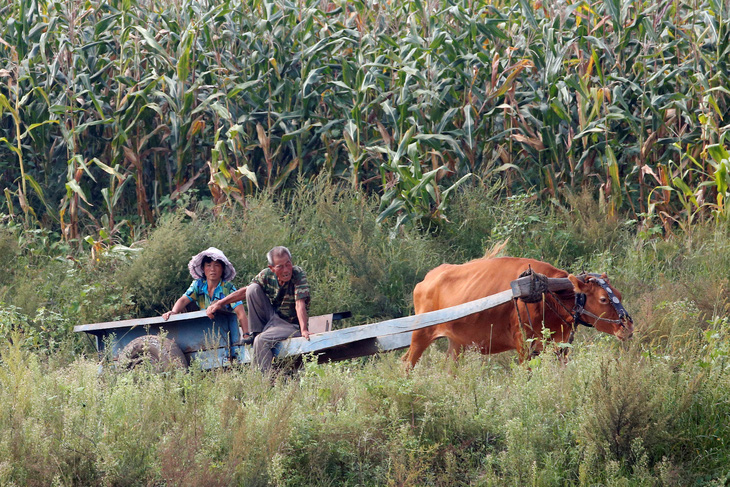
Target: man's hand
212 309
306 334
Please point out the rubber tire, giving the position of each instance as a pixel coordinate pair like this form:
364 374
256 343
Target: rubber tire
162 353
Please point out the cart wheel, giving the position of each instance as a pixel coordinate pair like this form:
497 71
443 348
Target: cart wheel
162 353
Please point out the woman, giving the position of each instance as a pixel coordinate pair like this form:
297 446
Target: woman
213 274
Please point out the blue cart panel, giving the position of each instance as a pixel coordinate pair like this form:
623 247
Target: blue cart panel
214 343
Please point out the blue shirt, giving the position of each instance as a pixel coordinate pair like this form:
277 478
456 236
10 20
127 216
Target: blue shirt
198 293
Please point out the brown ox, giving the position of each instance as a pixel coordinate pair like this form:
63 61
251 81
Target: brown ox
498 329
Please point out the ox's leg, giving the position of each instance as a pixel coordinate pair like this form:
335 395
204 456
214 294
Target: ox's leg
519 343
454 350
420 340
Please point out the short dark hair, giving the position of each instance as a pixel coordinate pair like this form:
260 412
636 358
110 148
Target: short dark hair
207 259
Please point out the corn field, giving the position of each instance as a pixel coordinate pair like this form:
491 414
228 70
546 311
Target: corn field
112 112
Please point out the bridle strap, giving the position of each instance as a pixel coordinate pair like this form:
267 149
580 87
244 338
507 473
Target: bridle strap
579 309
552 308
555 310
580 301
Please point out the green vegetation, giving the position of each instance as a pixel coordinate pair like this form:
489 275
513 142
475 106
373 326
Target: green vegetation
653 411
376 139
113 113
607 418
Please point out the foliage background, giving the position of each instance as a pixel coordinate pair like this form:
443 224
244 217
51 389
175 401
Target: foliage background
114 112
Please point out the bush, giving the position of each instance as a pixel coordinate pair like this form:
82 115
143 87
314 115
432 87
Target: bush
351 263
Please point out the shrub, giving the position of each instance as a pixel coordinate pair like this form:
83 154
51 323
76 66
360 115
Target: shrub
351 262
621 409
159 274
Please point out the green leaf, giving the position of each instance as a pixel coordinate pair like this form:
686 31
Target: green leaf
73 187
614 9
119 190
446 194
308 87
152 43
39 191
527 11
392 209
248 174
468 126
109 170
11 146
36 125
403 145
9 201
183 64
718 153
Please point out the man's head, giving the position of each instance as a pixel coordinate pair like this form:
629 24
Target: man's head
280 263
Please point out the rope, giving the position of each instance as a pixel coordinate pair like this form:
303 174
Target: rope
538 289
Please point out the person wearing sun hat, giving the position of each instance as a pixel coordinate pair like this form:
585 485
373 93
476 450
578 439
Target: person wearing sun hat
212 273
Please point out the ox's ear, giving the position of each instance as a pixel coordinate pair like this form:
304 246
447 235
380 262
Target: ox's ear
578 285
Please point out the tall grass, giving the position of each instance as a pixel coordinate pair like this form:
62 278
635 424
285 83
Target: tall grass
611 416
352 263
652 411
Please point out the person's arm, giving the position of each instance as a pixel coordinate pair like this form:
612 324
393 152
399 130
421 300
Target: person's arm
237 295
303 316
178 307
242 318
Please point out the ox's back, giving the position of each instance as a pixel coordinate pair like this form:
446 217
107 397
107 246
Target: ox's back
449 285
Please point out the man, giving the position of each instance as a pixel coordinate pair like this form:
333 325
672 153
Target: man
278 302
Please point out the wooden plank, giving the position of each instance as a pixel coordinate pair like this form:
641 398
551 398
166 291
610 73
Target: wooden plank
395 334
155 320
296 346
361 348
158 320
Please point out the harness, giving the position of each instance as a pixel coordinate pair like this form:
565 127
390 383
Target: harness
539 287
580 302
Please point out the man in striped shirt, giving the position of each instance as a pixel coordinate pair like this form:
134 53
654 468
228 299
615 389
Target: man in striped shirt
278 305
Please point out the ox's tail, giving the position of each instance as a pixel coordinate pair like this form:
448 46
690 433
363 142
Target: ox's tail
496 249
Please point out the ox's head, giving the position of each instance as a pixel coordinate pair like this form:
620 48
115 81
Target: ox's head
598 304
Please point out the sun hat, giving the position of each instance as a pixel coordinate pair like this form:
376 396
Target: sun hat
196 264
